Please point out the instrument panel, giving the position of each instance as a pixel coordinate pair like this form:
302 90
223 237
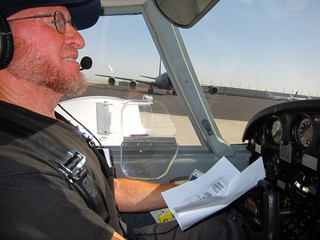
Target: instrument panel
287 136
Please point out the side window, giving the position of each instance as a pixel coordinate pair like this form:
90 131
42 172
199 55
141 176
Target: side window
127 65
257 54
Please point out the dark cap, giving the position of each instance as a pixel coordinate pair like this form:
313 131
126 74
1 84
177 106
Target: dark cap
85 13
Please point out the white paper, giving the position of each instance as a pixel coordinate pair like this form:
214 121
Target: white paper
216 189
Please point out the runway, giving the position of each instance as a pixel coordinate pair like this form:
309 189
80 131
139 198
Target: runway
231 113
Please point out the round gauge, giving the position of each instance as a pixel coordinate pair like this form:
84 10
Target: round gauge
304 131
276 131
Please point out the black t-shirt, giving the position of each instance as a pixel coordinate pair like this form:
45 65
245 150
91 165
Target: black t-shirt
35 200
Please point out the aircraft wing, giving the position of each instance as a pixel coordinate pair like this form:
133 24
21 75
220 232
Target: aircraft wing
130 79
148 77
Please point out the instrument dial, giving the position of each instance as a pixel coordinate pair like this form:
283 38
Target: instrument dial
304 131
276 131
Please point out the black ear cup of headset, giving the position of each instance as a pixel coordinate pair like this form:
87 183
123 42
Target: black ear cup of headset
6 43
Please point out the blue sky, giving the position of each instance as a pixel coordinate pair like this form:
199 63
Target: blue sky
269 45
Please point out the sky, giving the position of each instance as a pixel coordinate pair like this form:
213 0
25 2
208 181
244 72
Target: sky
271 45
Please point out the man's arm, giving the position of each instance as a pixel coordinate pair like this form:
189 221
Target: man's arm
137 196
117 236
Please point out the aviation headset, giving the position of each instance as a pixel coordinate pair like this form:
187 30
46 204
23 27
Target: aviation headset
6 43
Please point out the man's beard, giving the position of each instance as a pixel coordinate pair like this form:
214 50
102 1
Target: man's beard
29 65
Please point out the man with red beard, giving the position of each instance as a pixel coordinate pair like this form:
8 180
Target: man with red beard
40 197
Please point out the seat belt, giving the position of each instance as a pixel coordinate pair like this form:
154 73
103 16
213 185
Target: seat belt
76 173
71 165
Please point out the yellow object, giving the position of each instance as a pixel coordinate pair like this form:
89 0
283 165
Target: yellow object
165 216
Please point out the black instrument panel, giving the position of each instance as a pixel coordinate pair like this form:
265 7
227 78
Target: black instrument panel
287 136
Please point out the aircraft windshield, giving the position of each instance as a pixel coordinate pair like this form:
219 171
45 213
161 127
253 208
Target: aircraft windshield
255 53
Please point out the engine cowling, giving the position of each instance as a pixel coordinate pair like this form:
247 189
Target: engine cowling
111 81
213 90
132 85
